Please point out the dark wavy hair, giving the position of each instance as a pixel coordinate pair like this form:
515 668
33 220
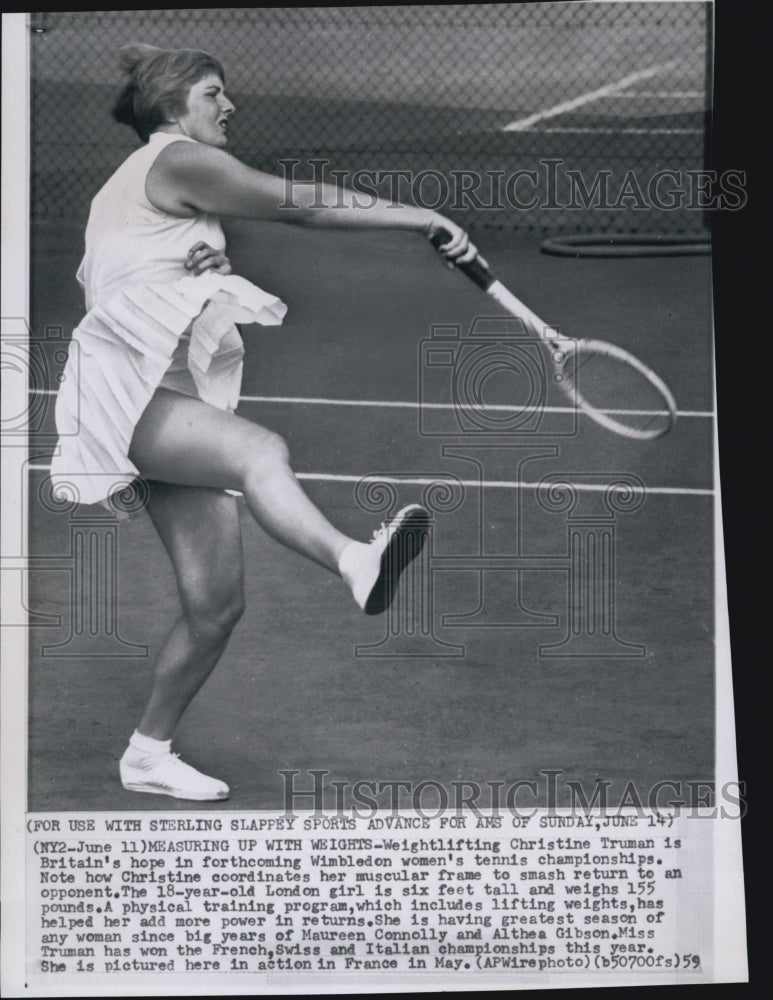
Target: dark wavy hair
158 86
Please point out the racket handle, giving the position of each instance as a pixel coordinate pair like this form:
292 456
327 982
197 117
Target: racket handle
475 269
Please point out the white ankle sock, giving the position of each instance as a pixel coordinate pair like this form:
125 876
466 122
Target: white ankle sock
348 561
145 746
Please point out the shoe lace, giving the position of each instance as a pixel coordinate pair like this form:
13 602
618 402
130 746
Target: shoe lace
151 761
379 533
172 760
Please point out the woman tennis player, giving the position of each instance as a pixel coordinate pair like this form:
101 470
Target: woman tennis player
158 378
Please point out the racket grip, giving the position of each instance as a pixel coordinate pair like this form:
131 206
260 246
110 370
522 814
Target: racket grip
475 269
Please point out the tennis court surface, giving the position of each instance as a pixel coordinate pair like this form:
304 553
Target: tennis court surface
291 692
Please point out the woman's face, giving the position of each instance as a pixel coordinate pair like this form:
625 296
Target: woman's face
208 111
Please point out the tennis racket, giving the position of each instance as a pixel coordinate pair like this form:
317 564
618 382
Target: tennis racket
603 381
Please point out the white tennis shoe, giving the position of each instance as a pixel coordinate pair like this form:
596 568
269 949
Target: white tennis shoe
166 774
372 570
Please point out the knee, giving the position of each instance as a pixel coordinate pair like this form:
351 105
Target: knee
212 617
269 451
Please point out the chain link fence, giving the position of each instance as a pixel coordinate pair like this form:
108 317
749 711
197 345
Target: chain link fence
565 117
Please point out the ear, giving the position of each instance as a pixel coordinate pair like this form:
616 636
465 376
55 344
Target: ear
171 113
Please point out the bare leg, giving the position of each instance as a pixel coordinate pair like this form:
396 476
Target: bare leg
183 441
201 532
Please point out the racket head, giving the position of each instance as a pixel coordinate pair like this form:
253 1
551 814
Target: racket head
614 388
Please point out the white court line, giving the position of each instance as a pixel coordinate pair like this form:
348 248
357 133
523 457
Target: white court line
503 484
410 405
592 95
391 404
660 94
619 131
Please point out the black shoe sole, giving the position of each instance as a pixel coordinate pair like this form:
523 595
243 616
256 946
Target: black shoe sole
406 543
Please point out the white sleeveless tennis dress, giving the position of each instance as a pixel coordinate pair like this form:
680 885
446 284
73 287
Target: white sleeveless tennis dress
150 323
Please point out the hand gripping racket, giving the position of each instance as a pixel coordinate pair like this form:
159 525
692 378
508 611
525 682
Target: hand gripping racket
605 382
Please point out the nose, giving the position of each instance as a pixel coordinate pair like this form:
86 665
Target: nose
227 106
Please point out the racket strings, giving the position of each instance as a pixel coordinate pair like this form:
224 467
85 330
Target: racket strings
621 395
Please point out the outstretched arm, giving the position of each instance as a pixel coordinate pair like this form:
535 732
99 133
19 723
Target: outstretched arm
189 178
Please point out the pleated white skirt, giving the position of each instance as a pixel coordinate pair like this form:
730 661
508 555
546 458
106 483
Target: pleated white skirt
128 346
